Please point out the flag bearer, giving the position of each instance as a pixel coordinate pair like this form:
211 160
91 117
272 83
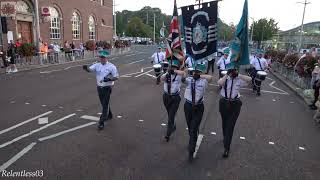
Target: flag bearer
193 107
230 104
171 96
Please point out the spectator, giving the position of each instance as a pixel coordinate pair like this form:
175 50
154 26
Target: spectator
12 56
44 52
56 51
313 52
81 50
316 86
73 47
67 50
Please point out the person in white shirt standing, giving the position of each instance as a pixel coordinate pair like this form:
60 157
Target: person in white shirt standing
223 61
56 51
106 74
230 104
189 62
157 58
259 64
171 96
194 107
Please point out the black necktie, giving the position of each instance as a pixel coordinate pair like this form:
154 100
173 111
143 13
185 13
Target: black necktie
193 91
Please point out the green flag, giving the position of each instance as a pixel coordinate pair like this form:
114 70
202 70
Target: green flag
240 44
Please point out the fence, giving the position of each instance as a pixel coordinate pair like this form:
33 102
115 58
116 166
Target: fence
62 57
292 76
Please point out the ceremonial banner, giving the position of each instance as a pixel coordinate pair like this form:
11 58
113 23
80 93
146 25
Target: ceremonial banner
174 49
200 30
240 44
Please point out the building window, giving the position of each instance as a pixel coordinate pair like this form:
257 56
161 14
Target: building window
55 25
75 21
23 7
92 28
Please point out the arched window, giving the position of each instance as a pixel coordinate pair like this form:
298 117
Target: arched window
55 23
92 28
75 20
23 7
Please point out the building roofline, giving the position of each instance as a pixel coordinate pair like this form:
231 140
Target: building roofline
297 28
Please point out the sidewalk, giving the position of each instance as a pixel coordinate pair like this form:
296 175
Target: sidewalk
27 67
298 91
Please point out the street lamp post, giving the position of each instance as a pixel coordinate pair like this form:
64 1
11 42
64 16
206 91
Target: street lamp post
301 29
252 29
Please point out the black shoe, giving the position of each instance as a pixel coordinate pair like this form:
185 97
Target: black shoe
100 126
313 107
258 94
167 138
190 157
225 154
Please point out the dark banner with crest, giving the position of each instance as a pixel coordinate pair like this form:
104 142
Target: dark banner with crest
200 30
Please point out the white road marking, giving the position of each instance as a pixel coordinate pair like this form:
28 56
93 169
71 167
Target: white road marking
92 118
35 131
72 67
271 143
130 55
16 157
199 140
43 105
27 103
272 85
43 120
119 117
60 107
24 122
302 148
140 120
243 138
291 102
66 131
151 76
163 124
213 133
144 73
79 110
130 74
274 100
136 61
12 102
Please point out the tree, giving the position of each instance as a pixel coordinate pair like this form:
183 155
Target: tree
263 30
224 31
136 28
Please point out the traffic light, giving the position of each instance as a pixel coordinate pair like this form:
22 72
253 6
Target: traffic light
4 25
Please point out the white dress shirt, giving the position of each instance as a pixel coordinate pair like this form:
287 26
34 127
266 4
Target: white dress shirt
158 57
103 70
189 62
256 65
200 87
237 84
223 62
175 83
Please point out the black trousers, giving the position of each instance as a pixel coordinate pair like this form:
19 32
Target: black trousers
316 95
172 105
193 118
229 111
104 96
210 65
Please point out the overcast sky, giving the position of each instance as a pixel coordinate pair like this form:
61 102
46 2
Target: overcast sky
287 12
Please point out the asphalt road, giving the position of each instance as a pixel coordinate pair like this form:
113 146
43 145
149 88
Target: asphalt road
275 136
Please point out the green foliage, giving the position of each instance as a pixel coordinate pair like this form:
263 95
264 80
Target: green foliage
27 50
225 32
136 28
264 29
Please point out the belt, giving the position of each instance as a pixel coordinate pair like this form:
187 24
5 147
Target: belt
104 87
172 94
232 99
199 103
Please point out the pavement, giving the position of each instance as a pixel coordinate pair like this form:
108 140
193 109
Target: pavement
275 136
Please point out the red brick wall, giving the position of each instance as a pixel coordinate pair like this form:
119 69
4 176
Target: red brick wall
85 9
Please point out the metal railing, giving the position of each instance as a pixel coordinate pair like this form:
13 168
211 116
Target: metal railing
292 76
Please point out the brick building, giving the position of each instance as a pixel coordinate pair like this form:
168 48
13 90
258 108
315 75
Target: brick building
69 20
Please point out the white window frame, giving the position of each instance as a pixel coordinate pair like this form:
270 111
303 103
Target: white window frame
92 26
76 26
55 26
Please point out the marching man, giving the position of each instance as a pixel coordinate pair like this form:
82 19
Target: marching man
171 96
259 64
230 104
193 107
157 58
106 74
223 61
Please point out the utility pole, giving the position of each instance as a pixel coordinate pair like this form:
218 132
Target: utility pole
147 18
252 29
37 24
115 18
305 3
1 43
154 28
